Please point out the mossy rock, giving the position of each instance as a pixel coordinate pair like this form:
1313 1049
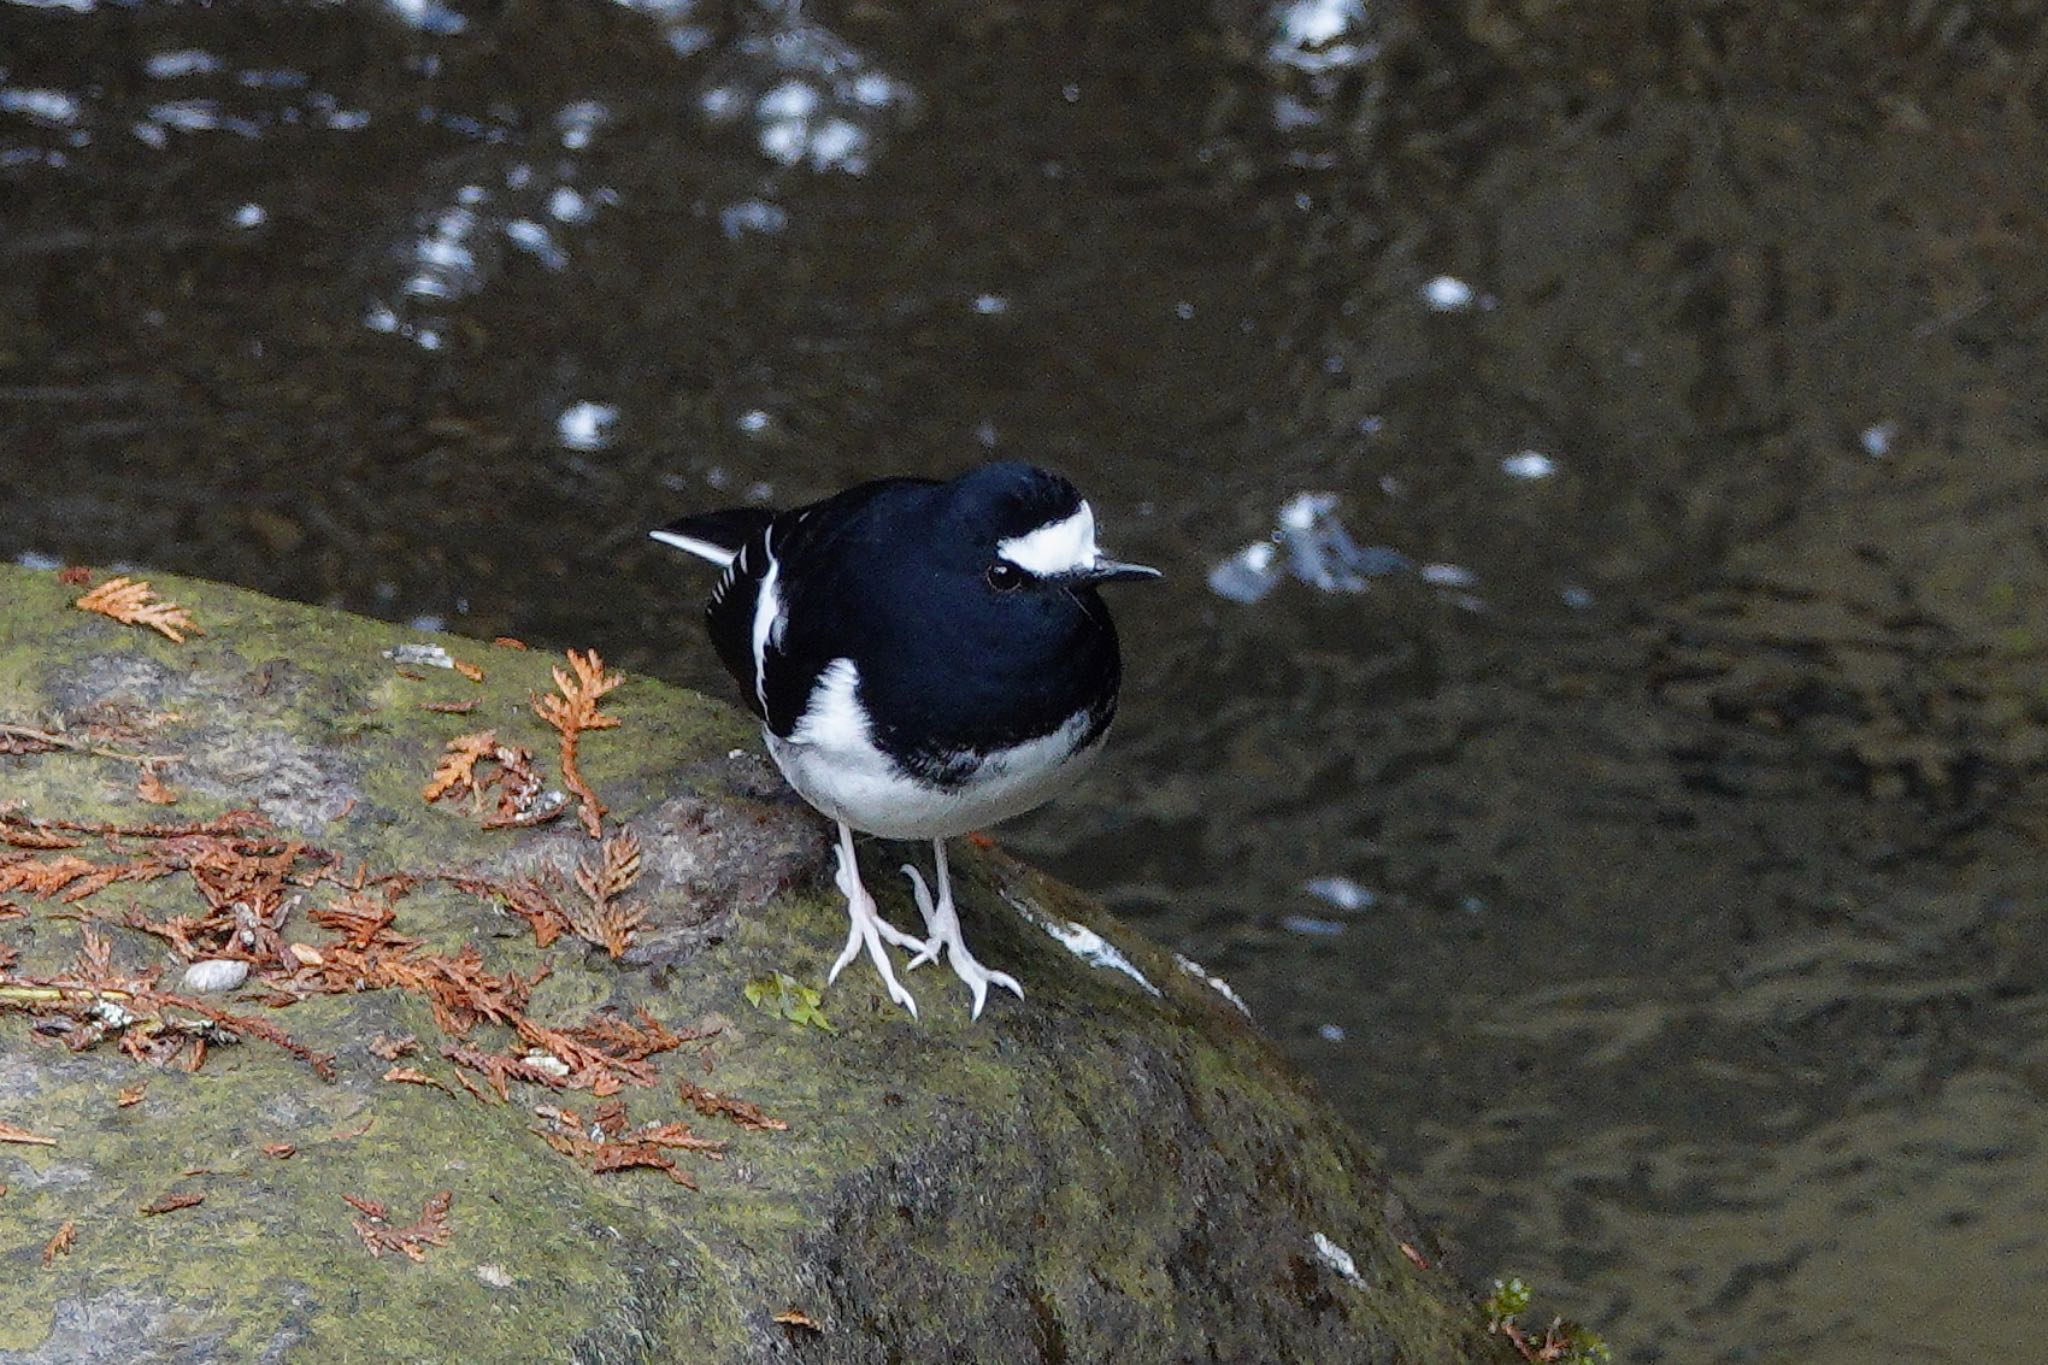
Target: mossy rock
1116 1167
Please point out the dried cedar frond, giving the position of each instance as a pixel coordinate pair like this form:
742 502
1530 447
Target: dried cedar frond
361 920
746 1115
409 1075
23 1137
95 962
149 786
610 1117
431 1228
61 1243
44 877
170 1203
602 920
571 711
391 1049
32 837
131 1096
629 1040
498 1069
133 603
532 897
456 772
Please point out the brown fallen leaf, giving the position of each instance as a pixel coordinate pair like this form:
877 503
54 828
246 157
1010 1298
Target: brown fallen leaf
794 1317
60 1244
281 1151
74 575
131 1096
149 786
469 670
170 1203
133 603
10 1133
450 708
507 642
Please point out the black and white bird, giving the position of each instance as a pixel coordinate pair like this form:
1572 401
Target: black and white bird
926 659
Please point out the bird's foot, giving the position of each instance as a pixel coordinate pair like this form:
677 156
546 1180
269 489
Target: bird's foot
867 927
942 930
850 887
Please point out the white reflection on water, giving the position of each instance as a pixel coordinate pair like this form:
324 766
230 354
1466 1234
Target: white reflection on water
1529 466
1309 542
586 426
428 16
815 100
51 108
1315 44
1320 35
185 61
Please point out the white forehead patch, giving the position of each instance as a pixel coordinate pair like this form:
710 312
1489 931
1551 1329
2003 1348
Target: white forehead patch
1063 546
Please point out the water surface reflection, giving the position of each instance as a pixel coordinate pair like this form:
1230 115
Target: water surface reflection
1596 715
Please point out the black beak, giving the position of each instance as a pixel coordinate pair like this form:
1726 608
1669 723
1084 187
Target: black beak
1109 571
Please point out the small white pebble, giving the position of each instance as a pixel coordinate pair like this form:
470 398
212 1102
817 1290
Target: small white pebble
1877 440
212 975
1528 465
432 656
494 1276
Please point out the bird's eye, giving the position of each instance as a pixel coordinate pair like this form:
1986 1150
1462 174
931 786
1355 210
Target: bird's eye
1005 577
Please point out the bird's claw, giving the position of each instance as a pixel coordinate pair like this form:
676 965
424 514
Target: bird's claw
942 930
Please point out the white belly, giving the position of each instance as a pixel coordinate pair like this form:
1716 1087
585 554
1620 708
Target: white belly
832 762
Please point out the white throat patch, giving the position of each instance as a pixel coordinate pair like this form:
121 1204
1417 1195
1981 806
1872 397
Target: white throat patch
1063 546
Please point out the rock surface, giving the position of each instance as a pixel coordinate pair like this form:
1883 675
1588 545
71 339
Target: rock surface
1116 1167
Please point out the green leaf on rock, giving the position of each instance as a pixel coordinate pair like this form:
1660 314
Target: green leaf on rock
782 994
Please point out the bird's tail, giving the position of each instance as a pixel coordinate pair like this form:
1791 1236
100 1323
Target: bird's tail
716 536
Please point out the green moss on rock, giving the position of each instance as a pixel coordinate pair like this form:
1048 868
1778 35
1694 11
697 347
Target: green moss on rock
1098 1172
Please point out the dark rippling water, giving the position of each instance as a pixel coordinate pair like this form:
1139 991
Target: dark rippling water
1624 791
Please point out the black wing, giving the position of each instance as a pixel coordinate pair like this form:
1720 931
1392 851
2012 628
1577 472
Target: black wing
803 540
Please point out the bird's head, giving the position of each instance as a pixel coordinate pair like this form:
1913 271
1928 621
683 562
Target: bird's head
1024 529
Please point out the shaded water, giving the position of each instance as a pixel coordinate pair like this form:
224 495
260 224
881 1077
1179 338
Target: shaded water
1676 815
